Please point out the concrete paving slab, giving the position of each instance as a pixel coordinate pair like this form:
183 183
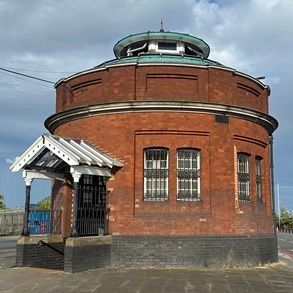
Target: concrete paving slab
269 279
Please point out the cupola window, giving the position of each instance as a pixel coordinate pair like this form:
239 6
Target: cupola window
167 46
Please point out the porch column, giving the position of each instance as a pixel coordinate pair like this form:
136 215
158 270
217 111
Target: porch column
25 227
76 176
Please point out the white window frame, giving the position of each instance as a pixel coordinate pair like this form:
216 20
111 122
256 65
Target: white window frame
243 170
156 166
154 47
258 178
190 179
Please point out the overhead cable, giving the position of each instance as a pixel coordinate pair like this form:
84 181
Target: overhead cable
26 75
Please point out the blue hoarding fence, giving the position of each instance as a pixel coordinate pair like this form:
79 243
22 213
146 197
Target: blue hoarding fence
45 222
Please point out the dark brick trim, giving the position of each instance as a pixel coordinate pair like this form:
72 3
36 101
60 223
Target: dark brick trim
87 253
190 251
34 255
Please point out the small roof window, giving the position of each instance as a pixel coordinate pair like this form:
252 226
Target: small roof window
167 46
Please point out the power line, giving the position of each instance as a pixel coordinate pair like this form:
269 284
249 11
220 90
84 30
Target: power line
33 70
26 75
28 80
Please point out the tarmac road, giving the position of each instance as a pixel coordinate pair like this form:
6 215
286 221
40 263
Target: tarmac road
7 251
285 245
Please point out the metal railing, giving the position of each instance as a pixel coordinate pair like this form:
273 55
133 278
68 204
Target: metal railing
11 222
285 229
92 221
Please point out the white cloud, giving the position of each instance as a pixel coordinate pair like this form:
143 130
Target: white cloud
11 161
246 34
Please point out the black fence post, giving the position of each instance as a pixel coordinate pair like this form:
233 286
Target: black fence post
25 229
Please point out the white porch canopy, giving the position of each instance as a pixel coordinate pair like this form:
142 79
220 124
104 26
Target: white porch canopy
50 153
52 157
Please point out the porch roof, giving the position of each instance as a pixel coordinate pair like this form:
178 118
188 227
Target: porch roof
51 151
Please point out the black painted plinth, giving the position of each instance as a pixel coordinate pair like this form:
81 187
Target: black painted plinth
30 253
86 253
190 251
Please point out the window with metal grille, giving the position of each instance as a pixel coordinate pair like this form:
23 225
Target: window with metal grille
258 178
91 190
88 189
188 174
156 174
243 177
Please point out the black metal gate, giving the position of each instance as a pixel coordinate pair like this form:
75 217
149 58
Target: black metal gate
92 214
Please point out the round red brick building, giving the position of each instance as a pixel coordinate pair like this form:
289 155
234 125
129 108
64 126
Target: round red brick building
191 182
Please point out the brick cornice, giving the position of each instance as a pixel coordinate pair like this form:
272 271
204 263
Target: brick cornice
267 121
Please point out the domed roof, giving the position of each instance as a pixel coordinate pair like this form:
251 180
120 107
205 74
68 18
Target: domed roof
156 58
161 42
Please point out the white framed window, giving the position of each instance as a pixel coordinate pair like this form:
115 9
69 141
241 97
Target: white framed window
243 177
156 174
188 174
166 47
258 178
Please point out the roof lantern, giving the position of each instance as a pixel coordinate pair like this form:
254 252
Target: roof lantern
161 43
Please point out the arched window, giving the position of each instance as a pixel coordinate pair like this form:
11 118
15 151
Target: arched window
243 177
188 174
258 179
156 174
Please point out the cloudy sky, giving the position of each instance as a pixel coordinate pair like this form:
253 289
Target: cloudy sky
53 39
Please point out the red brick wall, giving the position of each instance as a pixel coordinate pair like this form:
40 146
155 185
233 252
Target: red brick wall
173 83
124 136
62 200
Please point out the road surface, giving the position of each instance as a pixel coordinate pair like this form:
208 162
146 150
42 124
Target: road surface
285 244
7 251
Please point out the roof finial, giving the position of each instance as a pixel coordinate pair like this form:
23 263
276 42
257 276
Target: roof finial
162 29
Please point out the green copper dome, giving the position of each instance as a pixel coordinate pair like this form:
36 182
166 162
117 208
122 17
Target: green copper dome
161 42
157 58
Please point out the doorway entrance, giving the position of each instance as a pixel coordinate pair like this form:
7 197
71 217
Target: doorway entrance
92 214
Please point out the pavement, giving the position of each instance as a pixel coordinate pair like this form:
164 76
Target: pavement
271 278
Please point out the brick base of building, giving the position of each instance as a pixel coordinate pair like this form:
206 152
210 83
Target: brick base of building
147 251
190 251
86 253
31 251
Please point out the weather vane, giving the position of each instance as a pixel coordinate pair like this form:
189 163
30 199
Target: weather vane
162 29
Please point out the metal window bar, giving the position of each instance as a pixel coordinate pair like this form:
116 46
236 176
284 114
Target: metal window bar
92 221
188 175
258 180
243 177
156 175
92 214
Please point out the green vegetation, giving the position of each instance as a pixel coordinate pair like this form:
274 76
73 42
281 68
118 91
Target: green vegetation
45 203
2 203
286 219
